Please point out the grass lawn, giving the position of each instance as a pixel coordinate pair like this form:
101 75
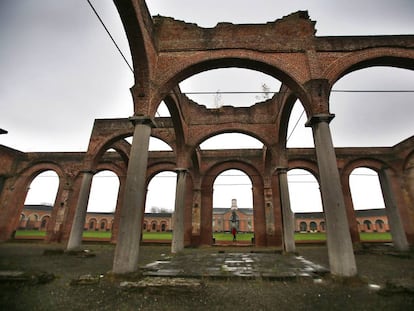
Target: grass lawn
227 236
167 236
219 236
37 233
314 236
375 236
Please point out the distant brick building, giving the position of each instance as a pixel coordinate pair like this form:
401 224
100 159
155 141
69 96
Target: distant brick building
36 217
371 220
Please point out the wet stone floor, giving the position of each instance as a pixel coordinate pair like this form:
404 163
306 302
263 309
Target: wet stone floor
269 266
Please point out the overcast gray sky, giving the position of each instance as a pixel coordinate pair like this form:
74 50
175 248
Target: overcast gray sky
60 71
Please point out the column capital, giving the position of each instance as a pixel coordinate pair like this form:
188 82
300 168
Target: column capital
88 171
318 118
181 170
145 120
281 170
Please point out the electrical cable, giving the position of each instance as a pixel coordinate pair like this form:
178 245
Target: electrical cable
296 124
110 36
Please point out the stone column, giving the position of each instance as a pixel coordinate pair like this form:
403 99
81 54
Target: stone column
129 232
340 251
117 213
396 227
353 225
75 237
177 244
287 214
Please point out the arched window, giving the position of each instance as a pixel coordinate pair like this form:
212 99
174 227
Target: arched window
303 226
367 225
44 222
322 226
163 227
154 226
103 225
313 226
92 224
379 224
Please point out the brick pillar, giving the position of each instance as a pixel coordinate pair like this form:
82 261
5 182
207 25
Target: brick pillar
349 205
55 227
75 238
399 238
340 251
206 230
129 233
260 236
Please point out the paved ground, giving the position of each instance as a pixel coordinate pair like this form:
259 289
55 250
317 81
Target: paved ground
202 279
269 265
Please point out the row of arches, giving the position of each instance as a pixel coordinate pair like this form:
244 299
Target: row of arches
308 79
105 185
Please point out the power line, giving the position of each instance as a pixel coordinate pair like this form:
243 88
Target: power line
296 124
110 36
372 91
276 92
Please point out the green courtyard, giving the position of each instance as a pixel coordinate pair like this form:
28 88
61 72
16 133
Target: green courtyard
218 236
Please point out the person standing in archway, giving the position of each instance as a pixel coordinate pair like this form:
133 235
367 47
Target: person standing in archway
234 232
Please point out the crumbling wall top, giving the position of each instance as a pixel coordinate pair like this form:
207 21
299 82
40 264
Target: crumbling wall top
174 35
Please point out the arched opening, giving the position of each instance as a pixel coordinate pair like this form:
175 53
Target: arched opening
322 226
92 224
103 225
231 141
369 203
367 226
379 225
372 96
237 87
306 204
43 189
161 193
298 136
104 192
155 144
39 203
44 222
102 202
232 207
303 226
162 110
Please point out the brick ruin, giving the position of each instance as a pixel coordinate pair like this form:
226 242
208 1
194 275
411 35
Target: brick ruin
165 52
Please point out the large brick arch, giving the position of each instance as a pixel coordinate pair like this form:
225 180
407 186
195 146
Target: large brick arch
159 167
371 163
304 164
226 129
21 185
392 57
117 142
173 72
287 102
172 103
258 199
